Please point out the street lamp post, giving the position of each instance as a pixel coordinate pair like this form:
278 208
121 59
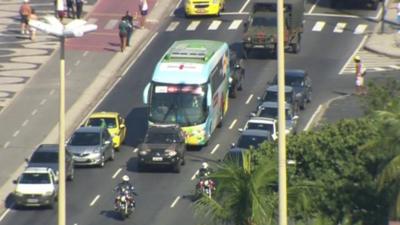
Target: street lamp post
76 28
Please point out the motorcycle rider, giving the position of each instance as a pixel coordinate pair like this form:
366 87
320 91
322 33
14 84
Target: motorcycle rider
125 185
204 170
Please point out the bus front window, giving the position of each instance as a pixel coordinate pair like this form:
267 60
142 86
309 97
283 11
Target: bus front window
179 104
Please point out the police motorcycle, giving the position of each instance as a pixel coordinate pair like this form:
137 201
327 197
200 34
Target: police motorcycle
124 201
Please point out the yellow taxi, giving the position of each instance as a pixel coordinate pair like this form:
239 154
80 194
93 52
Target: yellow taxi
204 7
114 123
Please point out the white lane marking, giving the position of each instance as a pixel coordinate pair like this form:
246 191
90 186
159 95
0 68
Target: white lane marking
235 25
214 149
244 6
360 28
312 118
43 101
332 15
235 13
194 175
313 7
6 144
214 25
94 200
51 92
85 53
352 55
16 133
25 123
175 201
249 99
135 150
378 15
111 24
193 25
318 26
176 7
77 62
339 28
116 173
379 69
69 73
130 65
232 124
34 112
172 26
4 214
394 67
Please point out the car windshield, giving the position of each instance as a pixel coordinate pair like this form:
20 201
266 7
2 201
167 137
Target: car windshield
250 141
44 157
34 178
294 81
264 21
154 138
85 139
185 105
272 96
272 113
260 126
102 122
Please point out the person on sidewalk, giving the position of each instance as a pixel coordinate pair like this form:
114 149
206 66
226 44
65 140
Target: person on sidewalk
79 7
61 7
360 72
32 34
25 12
129 19
123 32
143 8
70 9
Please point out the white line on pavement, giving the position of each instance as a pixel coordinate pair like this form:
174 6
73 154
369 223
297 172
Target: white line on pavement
379 69
77 62
194 175
214 149
232 124
249 99
34 112
6 144
135 150
352 55
339 28
85 53
94 200
244 6
313 7
234 25
116 173
360 29
193 25
394 67
312 118
51 92
16 133
318 26
175 201
234 13
69 73
176 7
172 26
43 101
4 214
332 15
214 25
25 123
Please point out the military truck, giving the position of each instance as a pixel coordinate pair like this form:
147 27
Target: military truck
260 30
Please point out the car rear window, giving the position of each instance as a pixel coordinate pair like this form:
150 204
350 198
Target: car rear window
85 139
250 141
98 122
44 157
261 126
34 178
161 138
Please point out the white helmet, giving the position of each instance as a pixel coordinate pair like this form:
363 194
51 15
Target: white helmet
204 165
125 178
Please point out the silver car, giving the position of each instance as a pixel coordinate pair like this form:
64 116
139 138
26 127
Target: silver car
91 146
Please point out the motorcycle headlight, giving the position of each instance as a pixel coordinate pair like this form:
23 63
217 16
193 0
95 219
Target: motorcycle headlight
170 152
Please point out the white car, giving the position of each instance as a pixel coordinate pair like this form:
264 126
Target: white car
37 186
262 123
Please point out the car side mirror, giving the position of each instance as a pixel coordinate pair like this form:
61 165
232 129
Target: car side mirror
258 98
296 117
252 114
122 126
240 129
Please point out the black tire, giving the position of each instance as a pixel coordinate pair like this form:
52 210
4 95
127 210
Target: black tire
102 161
233 93
177 168
71 174
309 98
183 161
141 167
51 204
112 156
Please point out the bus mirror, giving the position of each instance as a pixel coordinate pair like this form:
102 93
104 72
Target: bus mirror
209 96
146 93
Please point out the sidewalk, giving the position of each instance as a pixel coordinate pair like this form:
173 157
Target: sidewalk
387 43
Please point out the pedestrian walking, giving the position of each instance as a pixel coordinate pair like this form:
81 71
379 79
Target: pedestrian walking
360 72
79 7
123 33
129 19
70 9
143 8
61 8
32 34
25 12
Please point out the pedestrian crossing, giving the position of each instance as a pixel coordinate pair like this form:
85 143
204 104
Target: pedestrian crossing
373 63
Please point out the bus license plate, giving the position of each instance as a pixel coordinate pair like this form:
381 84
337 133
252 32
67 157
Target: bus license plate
157 159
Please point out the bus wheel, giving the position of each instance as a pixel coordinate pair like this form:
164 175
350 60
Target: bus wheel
220 123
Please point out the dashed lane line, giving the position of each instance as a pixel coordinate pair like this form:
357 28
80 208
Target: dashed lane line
69 73
25 123
194 175
249 99
85 53
232 124
193 25
4 214
312 118
214 25
77 62
94 200
6 144
52 92
16 133
339 28
214 149
116 173
34 112
175 201
318 26
43 101
235 25
135 150
172 26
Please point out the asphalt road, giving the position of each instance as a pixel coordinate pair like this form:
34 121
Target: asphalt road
163 195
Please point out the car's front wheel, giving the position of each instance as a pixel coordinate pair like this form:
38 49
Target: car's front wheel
71 174
102 161
112 155
177 168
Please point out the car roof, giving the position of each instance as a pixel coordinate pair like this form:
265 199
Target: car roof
256 132
47 148
295 73
274 88
104 114
272 105
37 170
163 129
258 119
90 129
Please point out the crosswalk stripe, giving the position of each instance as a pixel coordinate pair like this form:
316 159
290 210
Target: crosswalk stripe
339 27
394 67
193 25
318 26
111 24
172 26
234 25
360 29
214 25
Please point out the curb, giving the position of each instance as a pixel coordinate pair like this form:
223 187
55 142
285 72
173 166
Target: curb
99 88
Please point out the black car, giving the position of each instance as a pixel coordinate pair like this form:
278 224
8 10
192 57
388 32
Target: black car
271 95
301 84
163 146
237 75
46 155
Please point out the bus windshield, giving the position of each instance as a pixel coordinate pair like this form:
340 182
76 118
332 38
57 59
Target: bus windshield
185 105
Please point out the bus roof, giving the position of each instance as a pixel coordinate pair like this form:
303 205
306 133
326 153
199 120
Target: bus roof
189 61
